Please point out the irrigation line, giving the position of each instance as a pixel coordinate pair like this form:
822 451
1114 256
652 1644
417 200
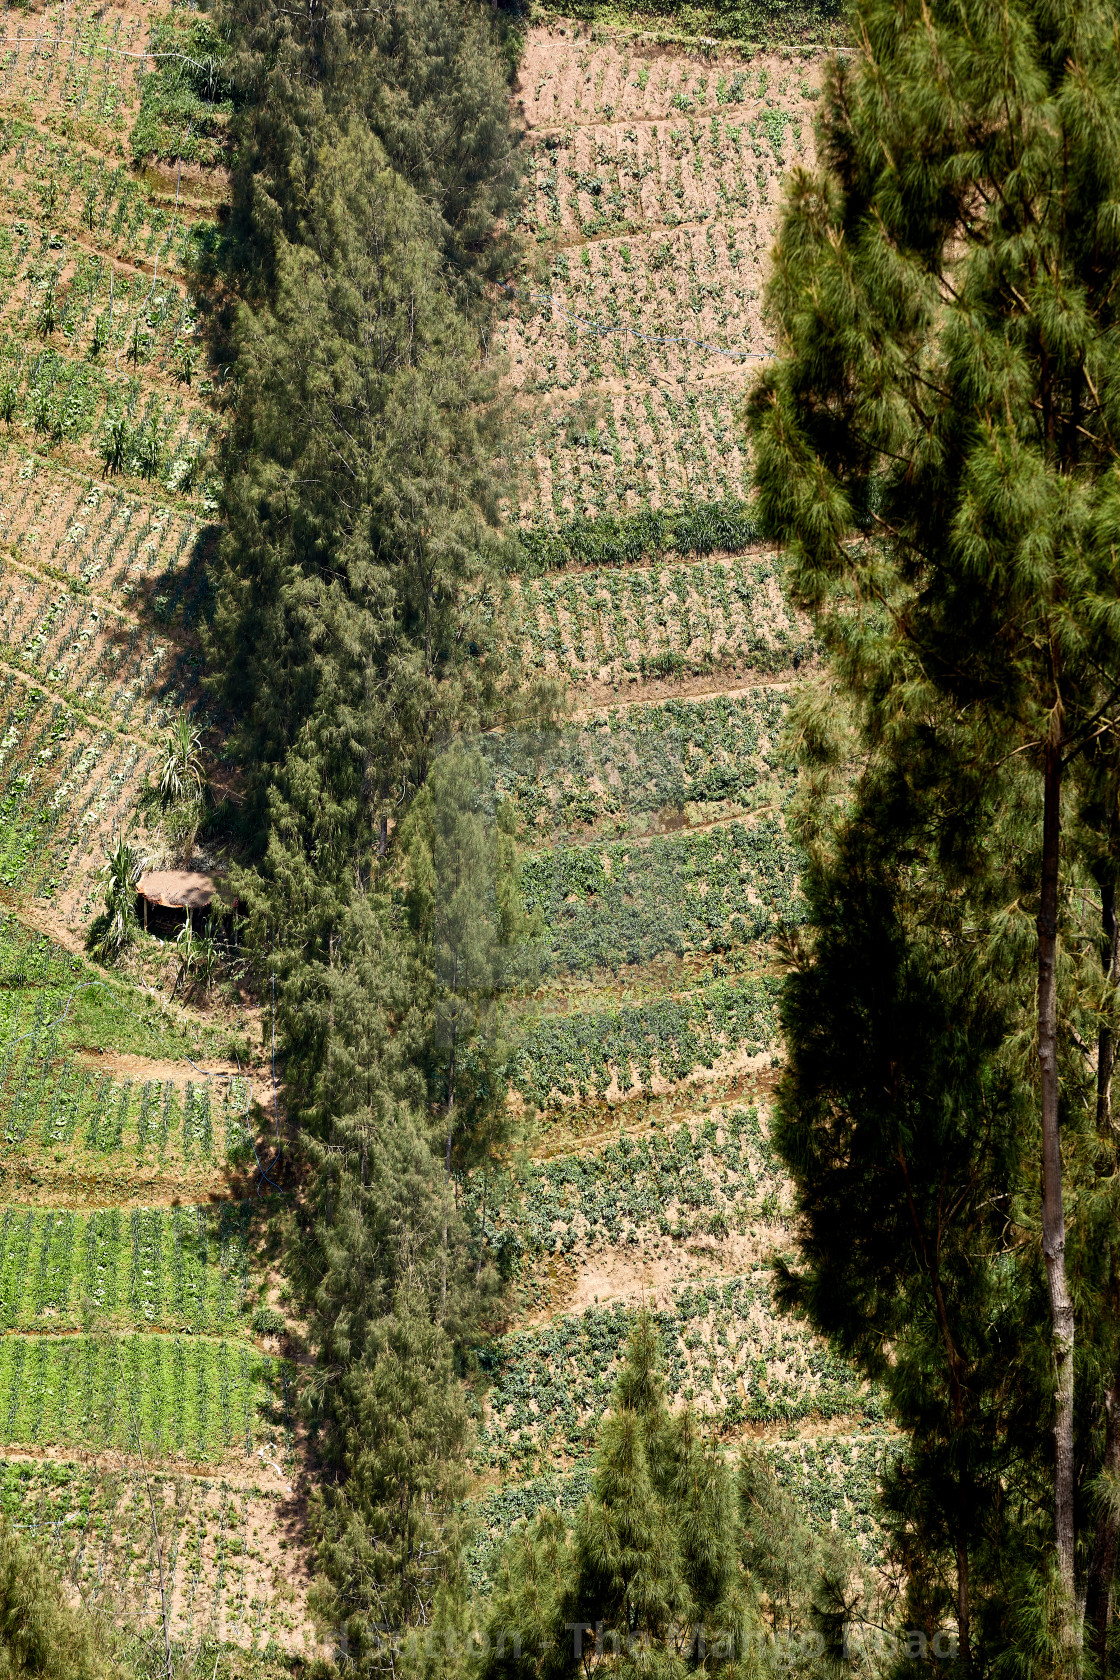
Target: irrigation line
209 64
595 330
207 1074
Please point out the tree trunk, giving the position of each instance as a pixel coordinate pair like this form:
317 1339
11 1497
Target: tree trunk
1106 1045
964 1613
1102 1564
1053 1215
447 1175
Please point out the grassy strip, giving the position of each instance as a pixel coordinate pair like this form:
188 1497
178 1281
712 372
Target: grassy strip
37 978
186 1396
577 1054
752 22
624 539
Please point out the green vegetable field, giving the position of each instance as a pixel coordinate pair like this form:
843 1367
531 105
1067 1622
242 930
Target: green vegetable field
150 1361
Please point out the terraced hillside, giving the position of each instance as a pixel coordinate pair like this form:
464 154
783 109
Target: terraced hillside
134 1245
659 854
138 1232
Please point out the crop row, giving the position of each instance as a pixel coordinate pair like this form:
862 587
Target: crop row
608 625
75 194
59 62
673 304
82 300
116 666
180 1395
99 534
61 786
615 451
646 534
49 1100
707 891
133 429
95 1525
832 1480
601 79
718 754
701 1177
591 1051
163 1268
726 1349
589 179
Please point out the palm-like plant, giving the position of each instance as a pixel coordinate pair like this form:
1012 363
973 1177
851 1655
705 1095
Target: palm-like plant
116 926
181 774
200 957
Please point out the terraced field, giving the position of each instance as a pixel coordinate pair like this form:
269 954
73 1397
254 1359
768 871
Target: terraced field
135 1249
137 1230
659 857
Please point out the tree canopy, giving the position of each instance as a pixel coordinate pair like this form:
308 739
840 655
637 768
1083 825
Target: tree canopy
935 443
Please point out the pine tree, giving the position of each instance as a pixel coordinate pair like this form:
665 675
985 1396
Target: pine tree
935 443
389 1535
648 1574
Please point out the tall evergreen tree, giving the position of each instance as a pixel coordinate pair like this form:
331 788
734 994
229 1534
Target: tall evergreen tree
936 444
672 1565
426 77
355 624
357 633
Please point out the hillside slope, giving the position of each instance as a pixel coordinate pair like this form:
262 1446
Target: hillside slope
139 1233
659 854
134 1244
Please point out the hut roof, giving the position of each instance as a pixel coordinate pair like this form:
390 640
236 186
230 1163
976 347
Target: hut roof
177 889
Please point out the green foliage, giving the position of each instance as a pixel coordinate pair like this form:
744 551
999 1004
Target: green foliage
185 101
387 1528
580 1053
116 927
181 772
360 405
650 533
40 1634
426 81
935 445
